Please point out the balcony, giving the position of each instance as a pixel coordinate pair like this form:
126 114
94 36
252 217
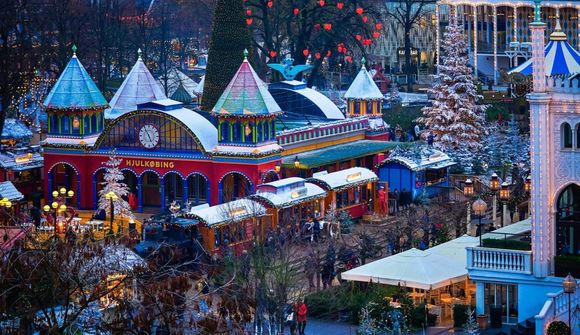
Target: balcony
499 260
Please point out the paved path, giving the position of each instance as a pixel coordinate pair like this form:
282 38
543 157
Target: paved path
328 327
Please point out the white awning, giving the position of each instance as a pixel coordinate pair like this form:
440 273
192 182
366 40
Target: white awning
344 178
233 211
428 269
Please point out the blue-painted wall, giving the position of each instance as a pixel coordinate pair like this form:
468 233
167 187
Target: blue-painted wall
401 177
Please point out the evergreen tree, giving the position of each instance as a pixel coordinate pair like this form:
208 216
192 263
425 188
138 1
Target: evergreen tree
455 118
471 327
113 182
229 38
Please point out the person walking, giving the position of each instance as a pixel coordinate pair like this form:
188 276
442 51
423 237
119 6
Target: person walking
316 229
301 317
291 319
397 197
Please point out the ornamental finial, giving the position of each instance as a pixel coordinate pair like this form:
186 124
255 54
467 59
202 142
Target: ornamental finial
245 54
363 61
139 53
74 50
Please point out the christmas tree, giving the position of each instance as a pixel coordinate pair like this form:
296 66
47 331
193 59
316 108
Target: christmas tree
454 117
113 182
229 38
471 327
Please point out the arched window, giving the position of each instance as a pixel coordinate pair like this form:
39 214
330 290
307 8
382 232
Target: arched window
568 221
65 124
236 131
578 136
225 131
566 135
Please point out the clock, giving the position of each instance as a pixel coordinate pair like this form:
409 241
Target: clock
149 136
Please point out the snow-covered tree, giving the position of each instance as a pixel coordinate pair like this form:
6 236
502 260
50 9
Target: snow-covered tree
455 117
471 326
367 325
113 182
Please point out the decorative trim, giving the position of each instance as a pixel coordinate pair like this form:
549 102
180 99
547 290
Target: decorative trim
149 170
238 172
65 163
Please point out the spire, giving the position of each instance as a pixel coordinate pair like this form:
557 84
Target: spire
558 34
245 55
363 62
139 53
74 50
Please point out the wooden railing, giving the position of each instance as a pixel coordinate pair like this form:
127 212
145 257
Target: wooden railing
501 260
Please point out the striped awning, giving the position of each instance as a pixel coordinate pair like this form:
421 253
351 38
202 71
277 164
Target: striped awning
561 58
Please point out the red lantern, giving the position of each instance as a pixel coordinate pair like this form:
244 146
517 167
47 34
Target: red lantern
248 12
328 53
296 11
272 54
358 37
305 52
321 3
376 34
365 19
249 21
317 26
349 59
339 5
379 26
317 55
360 10
327 26
270 4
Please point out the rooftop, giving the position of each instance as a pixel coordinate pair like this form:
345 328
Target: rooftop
74 89
363 86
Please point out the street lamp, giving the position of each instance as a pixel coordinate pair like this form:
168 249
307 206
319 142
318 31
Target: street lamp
569 285
468 192
296 162
113 197
504 196
479 208
494 187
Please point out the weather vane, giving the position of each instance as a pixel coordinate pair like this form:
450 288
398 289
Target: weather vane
288 70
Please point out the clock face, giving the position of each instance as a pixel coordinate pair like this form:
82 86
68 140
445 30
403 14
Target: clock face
149 136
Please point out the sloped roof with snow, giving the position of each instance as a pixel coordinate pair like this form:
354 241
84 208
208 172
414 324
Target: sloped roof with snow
175 78
363 87
344 178
288 192
9 191
421 159
74 89
198 90
246 95
138 87
233 211
15 129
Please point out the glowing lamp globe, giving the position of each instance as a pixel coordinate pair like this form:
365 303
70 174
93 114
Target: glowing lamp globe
504 192
528 184
569 284
55 194
494 182
70 193
54 205
62 190
46 208
468 188
296 162
479 207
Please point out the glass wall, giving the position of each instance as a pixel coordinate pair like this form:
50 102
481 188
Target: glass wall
504 296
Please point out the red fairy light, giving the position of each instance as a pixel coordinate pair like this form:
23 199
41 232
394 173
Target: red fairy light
321 3
270 4
305 52
360 10
379 26
249 21
376 34
358 37
340 5
272 54
317 55
365 19
328 53
296 11
248 12
327 26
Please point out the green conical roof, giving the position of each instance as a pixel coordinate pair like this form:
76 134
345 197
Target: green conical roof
74 89
181 95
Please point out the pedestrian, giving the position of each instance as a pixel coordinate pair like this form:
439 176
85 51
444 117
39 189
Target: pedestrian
316 229
397 198
430 138
301 317
291 319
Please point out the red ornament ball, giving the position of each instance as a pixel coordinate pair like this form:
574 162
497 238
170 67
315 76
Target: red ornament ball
317 55
321 3
248 12
249 21
358 37
376 34
272 54
365 19
270 4
296 11
379 26
327 26
359 10
340 5
305 52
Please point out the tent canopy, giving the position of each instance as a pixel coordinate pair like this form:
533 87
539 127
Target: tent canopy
428 269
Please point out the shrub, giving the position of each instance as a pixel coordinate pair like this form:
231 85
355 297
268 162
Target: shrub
558 328
418 317
459 315
567 264
506 244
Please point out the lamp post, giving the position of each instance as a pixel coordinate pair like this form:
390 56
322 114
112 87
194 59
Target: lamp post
6 204
479 208
112 197
504 196
494 187
58 205
569 285
468 192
